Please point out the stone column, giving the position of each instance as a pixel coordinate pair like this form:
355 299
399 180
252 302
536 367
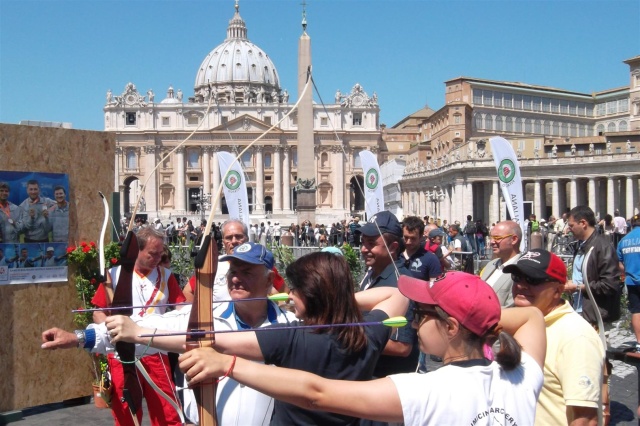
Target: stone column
286 179
573 192
537 199
421 211
593 204
494 212
206 169
467 202
611 187
151 190
180 201
555 199
277 181
446 213
457 208
338 178
116 175
216 180
259 168
631 192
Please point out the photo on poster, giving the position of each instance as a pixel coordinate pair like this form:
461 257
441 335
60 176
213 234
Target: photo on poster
34 227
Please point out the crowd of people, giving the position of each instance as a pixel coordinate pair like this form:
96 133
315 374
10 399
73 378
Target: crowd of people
548 367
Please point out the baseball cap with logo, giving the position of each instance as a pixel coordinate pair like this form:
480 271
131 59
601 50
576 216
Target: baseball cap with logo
540 265
386 221
462 296
50 249
253 253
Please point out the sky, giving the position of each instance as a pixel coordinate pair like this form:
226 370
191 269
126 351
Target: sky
58 58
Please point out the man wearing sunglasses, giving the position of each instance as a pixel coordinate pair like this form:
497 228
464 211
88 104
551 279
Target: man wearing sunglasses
504 239
575 357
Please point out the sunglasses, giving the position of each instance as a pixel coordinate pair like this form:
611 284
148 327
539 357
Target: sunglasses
498 238
516 278
421 313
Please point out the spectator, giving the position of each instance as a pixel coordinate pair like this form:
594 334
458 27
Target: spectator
629 255
505 238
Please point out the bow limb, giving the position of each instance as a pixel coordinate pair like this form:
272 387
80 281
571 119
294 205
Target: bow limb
122 300
103 232
201 319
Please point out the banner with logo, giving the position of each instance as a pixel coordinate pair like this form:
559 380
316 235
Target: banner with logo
34 227
234 186
373 194
510 181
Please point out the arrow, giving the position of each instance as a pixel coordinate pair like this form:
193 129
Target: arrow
394 322
279 297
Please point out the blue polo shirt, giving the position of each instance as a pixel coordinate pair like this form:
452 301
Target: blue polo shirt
629 255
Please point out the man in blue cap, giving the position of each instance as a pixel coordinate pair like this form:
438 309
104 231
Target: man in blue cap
382 243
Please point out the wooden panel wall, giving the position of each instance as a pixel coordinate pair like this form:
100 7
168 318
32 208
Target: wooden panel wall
30 376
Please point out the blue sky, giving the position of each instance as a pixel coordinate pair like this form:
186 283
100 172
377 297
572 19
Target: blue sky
59 57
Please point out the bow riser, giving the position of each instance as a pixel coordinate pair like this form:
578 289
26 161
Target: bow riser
201 318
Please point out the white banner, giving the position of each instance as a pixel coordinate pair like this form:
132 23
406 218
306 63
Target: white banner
373 194
234 186
510 181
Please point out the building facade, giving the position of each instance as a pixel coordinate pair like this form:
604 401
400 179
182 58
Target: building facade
574 148
237 96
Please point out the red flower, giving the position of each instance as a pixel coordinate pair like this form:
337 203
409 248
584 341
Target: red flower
86 249
80 308
70 249
114 260
83 244
92 244
93 281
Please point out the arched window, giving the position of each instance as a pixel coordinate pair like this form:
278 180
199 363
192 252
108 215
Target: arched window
356 159
499 123
324 160
488 122
611 127
478 121
193 155
518 127
246 159
600 129
132 159
622 127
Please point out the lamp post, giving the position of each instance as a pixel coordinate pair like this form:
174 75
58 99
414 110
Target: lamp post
435 197
203 201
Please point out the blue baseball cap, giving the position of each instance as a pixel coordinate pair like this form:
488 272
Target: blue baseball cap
332 250
386 221
253 253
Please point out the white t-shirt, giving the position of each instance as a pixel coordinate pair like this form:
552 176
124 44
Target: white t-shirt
471 395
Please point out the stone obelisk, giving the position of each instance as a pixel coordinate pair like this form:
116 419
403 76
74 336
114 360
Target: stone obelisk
306 184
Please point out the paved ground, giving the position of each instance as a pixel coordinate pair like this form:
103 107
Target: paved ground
624 397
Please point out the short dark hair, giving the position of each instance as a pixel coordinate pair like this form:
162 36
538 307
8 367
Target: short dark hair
5 185
58 187
412 223
33 182
469 217
454 227
583 212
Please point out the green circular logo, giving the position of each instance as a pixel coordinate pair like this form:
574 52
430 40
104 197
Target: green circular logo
233 179
506 171
372 178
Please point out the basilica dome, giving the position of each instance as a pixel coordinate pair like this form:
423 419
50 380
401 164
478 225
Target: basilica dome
237 69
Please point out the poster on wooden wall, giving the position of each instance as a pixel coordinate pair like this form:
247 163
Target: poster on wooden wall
34 227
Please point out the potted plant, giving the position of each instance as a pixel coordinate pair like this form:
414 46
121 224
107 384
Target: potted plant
83 260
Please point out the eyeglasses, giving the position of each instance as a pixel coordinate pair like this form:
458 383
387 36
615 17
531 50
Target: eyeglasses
420 313
516 278
498 238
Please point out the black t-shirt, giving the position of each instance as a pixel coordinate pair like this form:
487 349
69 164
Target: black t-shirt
321 354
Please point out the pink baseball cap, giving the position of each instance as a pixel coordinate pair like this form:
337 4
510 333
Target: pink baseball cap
462 296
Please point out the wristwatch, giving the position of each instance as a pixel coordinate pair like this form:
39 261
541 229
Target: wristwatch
81 337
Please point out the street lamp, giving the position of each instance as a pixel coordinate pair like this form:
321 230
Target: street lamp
435 197
203 201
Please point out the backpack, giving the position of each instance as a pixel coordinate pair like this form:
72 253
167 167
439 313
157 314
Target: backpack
535 226
470 228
